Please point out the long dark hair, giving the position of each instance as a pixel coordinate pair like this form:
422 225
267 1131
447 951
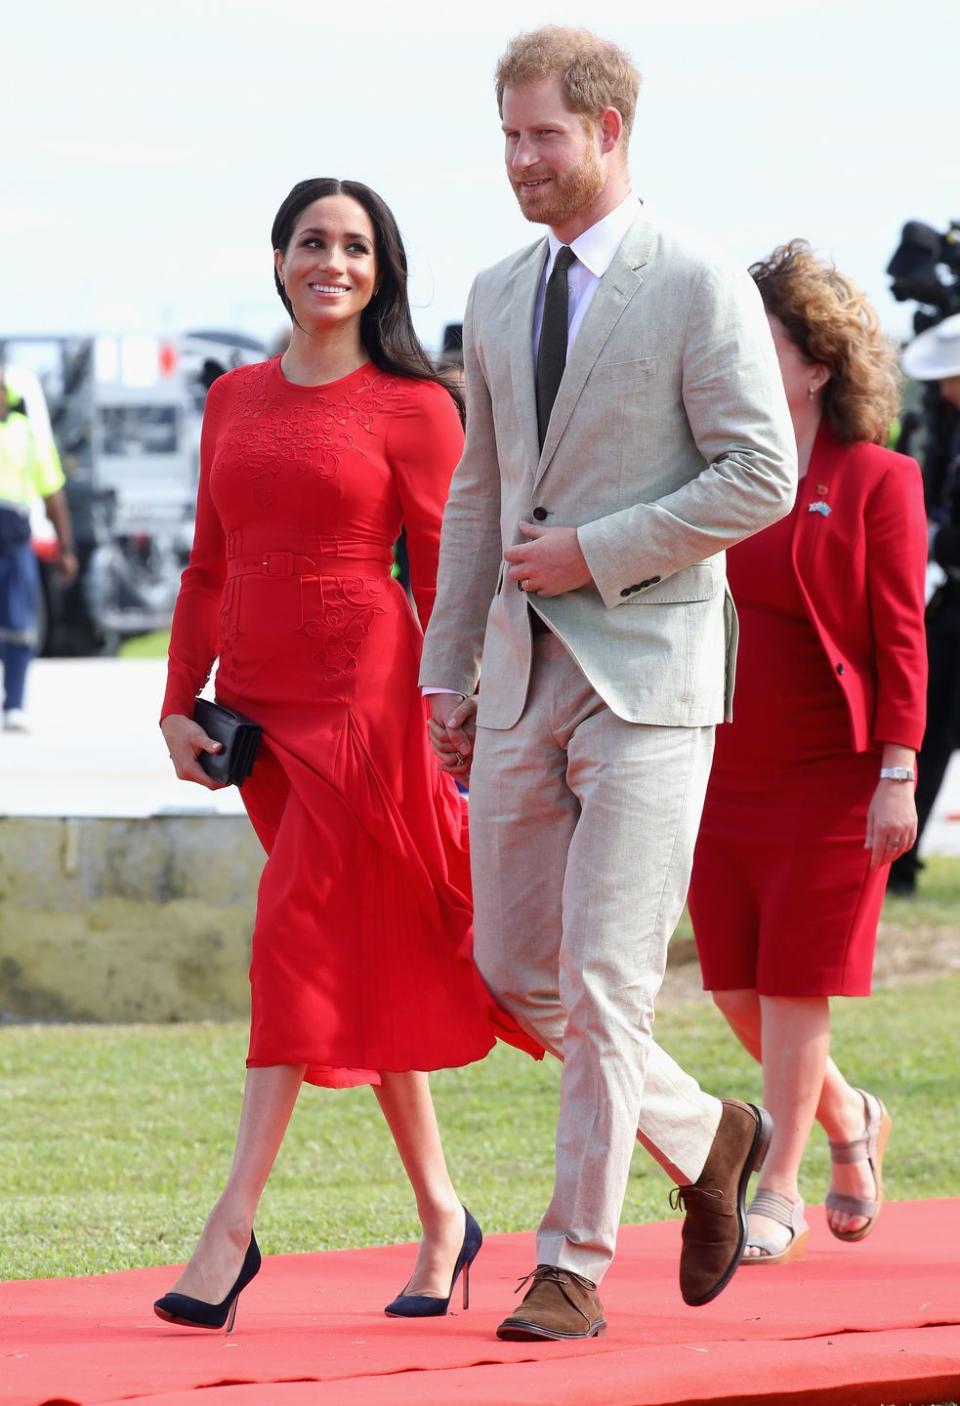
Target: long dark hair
386 327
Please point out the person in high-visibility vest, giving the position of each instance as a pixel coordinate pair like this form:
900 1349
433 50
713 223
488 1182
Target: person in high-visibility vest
29 469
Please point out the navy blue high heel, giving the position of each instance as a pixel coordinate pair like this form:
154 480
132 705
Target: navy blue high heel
195 1313
422 1305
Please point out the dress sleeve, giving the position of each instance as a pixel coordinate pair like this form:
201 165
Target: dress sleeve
896 531
424 444
193 635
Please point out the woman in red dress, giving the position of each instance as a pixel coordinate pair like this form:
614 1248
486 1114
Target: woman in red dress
361 969
811 794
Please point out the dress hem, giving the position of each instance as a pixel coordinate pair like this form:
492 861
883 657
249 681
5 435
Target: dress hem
335 1076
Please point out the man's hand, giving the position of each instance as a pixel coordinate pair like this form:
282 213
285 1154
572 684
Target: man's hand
550 564
66 569
452 728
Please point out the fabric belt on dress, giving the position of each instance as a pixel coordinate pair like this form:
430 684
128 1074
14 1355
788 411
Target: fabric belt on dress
297 564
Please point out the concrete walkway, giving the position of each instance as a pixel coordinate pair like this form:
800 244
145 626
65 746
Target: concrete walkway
95 750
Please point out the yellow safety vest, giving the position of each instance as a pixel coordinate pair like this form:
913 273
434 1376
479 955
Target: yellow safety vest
28 469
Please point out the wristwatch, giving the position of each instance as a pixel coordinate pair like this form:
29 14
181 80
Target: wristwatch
896 773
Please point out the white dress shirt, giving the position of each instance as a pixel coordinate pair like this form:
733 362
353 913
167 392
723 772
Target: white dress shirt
594 250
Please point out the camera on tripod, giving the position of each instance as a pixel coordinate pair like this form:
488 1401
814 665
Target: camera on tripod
926 269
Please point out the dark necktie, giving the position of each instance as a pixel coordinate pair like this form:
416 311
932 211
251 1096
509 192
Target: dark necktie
552 353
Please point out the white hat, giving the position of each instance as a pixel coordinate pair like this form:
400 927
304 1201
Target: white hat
935 354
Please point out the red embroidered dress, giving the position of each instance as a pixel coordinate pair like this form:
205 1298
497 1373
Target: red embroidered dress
362 944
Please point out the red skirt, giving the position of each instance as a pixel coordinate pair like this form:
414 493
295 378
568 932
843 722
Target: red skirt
782 898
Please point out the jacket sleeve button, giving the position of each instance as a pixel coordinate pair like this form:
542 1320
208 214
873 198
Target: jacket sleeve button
540 514
839 668
626 591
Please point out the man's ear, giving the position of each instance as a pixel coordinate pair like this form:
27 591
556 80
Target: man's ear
611 129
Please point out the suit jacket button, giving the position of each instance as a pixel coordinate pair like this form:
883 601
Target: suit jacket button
839 668
540 514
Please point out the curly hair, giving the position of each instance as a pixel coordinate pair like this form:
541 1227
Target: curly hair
830 321
594 73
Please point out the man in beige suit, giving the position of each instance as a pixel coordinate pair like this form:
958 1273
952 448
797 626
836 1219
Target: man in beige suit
625 423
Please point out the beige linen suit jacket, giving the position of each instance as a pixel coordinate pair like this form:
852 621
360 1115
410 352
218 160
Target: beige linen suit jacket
669 441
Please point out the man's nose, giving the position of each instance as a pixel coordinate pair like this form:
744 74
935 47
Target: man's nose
523 155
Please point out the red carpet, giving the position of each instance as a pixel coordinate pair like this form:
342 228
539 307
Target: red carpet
859 1325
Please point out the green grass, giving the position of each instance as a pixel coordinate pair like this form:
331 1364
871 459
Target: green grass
115 1140
152 646
937 900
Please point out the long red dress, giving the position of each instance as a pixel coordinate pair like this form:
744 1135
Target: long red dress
361 957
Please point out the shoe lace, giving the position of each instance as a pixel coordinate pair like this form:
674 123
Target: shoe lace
680 1196
542 1271
552 1273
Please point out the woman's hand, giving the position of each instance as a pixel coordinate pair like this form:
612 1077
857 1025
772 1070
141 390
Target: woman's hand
185 741
452 728
891 822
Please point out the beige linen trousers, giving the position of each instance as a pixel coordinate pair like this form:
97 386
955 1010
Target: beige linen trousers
669 441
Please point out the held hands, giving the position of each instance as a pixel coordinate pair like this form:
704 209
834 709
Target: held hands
452 728
185 741
550 563
891 822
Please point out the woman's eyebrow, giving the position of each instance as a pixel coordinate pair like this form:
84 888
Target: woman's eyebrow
350 234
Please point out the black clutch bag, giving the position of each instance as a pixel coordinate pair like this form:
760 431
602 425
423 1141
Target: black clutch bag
239 738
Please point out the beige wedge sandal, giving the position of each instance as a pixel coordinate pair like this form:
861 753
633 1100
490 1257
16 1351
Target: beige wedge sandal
868 1148
785 1212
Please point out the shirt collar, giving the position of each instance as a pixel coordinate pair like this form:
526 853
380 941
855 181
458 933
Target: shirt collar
597 245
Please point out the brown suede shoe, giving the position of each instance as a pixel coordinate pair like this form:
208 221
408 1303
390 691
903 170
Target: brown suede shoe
558 1304
715 1228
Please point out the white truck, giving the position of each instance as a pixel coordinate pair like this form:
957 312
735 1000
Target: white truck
125 413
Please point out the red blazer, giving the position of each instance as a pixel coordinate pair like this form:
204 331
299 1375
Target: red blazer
861 569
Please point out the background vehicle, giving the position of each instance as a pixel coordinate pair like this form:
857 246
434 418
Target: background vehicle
125 413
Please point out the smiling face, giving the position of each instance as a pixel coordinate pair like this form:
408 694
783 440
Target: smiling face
329 268
556 160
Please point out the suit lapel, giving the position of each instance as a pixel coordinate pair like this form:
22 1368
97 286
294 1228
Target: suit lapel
618 286
521 302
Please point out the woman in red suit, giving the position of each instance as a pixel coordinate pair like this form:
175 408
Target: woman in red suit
811 794
361 969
